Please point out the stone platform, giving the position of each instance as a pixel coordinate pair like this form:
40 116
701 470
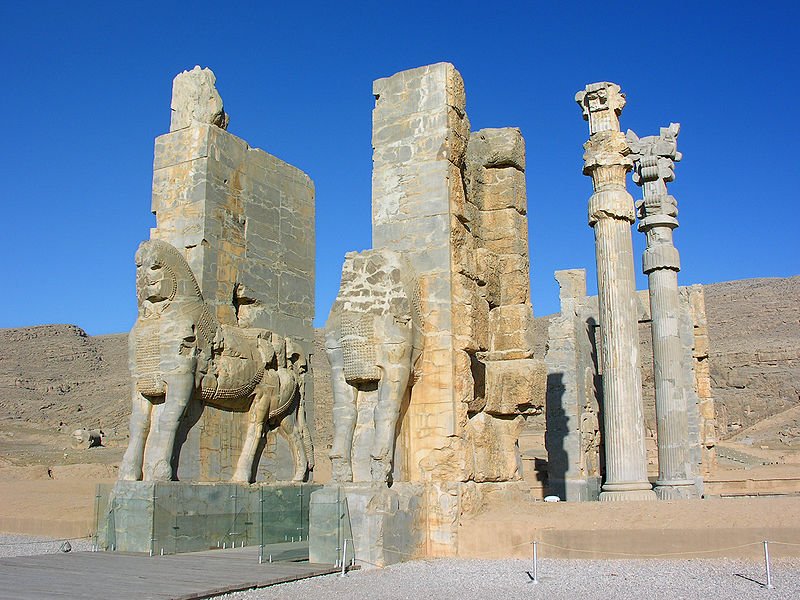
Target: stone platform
84 575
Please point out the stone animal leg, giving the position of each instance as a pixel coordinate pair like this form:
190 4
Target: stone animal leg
264 396
290 429
131 467
391 389
344 425
162 432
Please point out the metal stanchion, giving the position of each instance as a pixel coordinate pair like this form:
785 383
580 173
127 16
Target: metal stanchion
766 562
344 559
535 563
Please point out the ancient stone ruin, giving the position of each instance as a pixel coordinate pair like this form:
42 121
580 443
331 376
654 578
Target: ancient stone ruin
430 338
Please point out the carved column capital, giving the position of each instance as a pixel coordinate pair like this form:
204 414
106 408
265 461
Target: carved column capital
654 159
607 153
601 103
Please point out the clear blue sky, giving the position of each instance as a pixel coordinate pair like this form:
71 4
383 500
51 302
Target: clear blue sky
86 88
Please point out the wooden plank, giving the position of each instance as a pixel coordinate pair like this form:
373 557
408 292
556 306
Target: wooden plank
86 575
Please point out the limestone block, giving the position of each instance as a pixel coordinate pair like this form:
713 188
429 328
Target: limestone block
495 450
196 99
470 315
488 264
571 284
511 332
447 459
498 148
504 231
443 503
500 188
515 387
470 381
464 250
513 274
85 439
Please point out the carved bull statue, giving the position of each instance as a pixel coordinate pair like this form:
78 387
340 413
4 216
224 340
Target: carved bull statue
373 340
179 353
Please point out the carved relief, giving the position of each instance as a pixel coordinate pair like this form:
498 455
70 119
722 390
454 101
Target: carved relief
373 340
179 353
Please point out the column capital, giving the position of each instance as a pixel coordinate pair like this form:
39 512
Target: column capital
601 104
654 159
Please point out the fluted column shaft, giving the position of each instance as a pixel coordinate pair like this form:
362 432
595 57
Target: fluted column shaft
654 159
611 215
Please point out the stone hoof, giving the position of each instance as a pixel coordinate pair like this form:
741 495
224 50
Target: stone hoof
128 474
162 471
341 471
300 473
239 477
379 469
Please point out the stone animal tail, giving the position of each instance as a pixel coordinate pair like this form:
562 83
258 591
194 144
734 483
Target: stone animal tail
305 433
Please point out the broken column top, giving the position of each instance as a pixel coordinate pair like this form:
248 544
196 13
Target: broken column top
195 99
663 146
602 104
571 283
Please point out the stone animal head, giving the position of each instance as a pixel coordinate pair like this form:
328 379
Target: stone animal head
162 274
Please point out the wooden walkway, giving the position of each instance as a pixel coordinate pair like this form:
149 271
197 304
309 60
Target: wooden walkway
122 576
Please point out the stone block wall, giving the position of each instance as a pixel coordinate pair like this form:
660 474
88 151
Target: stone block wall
454 203
245 220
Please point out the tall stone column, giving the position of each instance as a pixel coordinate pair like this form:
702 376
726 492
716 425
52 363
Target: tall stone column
654 163
611 213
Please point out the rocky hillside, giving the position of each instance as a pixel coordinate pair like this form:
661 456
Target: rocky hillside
59 377
754 335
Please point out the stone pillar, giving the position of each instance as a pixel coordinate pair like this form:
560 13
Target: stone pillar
654 162
611 214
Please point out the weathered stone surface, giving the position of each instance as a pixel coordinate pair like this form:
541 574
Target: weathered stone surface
243 222
498 148
85 439
515 387
420 133
206 185
195 100
493 444
511 332
573 435
387 525
654 159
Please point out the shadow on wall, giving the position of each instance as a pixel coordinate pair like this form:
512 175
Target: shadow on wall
555 436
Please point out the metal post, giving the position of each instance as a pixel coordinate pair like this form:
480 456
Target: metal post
535 563
344 559
766 562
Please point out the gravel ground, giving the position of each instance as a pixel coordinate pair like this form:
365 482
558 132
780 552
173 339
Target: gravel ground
26 545
716 579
